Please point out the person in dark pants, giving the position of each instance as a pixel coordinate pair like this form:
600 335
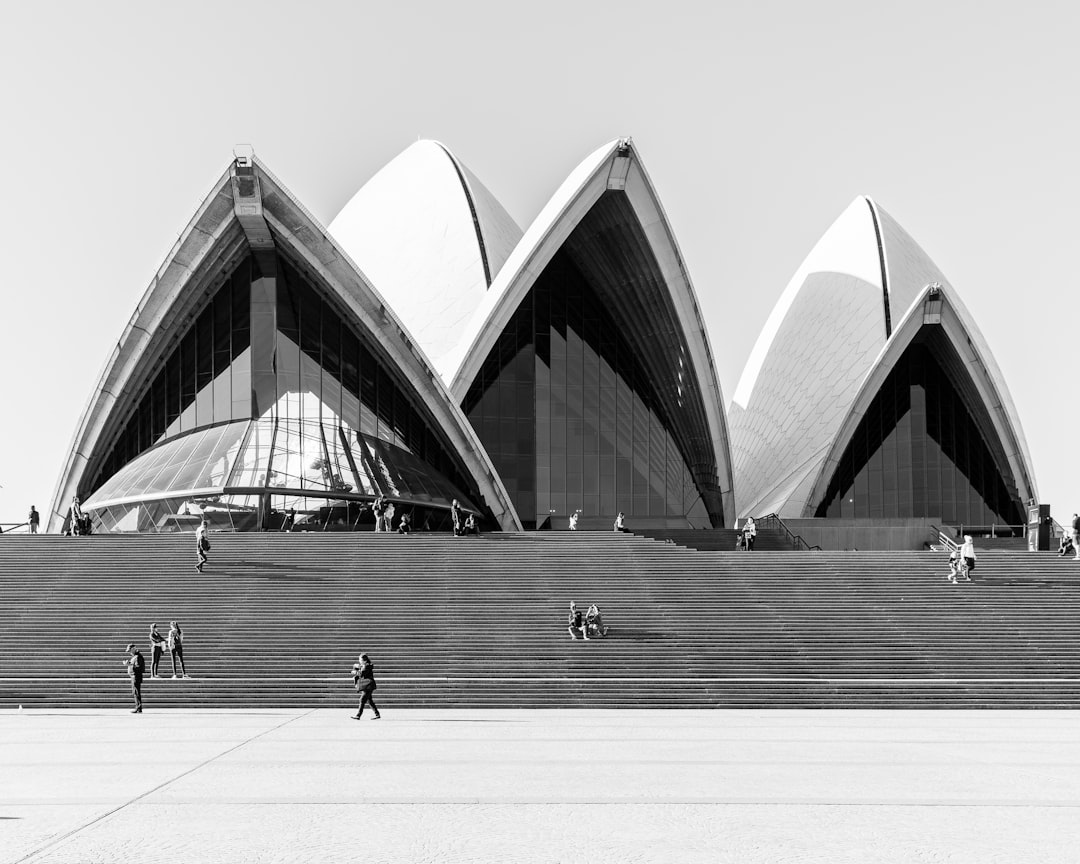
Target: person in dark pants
363 674
157 648
33 520
202 544
575 622
136 666
175 644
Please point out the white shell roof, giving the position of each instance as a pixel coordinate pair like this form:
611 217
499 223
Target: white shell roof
974 352
430 237
543 238
824 347
214 234
817 346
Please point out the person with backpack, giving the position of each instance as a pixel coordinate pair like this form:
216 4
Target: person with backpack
202 544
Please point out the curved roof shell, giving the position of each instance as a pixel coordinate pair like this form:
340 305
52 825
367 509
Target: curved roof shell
938 305
431 237
652 294
824 338
229 225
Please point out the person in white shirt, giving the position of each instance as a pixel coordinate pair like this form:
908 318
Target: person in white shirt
749 534
967 553
573 520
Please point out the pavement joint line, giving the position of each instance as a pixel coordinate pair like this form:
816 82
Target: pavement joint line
98 819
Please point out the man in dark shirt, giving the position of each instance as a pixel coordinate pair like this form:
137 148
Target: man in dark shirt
575 622
136 666
34 519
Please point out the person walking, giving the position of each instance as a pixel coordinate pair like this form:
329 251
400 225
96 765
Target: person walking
157 648
175 644
202 544
967 554
363 675
33 520
1076 535
136 666
749 534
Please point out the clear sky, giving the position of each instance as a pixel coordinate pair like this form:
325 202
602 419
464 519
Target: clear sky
758 122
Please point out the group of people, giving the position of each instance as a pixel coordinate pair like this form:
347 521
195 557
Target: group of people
588 625
746 538
463 525
136 663
962 561
78 524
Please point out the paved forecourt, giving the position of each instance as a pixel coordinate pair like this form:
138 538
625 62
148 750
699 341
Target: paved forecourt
539 786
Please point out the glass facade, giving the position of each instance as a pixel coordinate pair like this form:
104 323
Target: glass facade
918 451
571 417
270 389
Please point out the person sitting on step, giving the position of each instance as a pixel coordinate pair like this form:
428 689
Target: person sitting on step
576 622
594 622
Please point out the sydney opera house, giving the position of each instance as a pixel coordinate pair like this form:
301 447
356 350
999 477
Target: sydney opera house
425 349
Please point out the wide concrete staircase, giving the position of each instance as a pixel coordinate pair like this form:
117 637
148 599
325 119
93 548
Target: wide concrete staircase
278 620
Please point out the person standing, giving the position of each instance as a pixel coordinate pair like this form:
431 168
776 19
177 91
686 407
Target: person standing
363 674
455 517
967 553
76 517
202 544
1076 535
175 644
157 648
749 533
33 520
136 666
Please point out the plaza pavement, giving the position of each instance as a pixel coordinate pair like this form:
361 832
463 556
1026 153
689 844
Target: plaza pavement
539 786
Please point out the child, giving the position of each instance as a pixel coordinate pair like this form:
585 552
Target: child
954 566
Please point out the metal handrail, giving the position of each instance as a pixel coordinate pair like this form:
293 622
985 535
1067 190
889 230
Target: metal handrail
993 528
796 539
945 540
9 527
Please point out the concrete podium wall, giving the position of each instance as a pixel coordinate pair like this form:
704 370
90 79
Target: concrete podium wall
865 534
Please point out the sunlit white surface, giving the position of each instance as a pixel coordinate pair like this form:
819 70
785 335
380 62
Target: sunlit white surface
429 236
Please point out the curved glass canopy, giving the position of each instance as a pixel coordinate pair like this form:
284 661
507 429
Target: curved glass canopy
245 474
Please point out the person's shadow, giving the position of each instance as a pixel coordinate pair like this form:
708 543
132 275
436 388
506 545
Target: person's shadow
636 634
